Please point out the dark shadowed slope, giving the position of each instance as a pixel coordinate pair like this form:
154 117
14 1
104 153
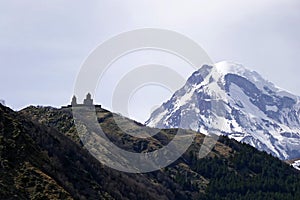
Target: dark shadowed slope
41 157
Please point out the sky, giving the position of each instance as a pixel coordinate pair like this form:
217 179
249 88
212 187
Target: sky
43 44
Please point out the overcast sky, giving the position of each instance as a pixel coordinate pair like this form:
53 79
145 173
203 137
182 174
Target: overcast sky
44 43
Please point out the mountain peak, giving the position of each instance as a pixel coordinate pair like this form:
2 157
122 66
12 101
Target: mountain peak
232 100
226 67
230 67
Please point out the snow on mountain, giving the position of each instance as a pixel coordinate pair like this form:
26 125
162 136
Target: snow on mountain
2 102
296 164
231 100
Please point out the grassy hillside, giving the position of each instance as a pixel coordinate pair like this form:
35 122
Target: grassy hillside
42 157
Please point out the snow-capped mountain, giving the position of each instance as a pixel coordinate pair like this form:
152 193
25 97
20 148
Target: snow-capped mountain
231 100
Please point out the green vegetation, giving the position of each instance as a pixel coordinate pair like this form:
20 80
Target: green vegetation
41 157
248 174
